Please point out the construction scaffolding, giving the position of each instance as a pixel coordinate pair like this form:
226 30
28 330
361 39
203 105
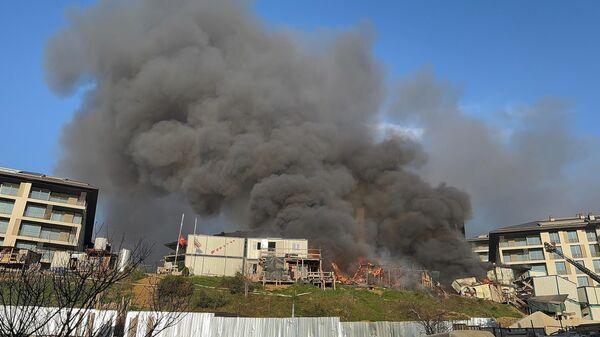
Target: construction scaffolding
280 266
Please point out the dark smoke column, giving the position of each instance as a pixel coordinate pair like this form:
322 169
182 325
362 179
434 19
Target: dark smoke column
197 101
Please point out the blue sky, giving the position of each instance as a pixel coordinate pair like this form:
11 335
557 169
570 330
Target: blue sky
502 54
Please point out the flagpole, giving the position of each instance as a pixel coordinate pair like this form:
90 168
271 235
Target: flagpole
195 248
177 242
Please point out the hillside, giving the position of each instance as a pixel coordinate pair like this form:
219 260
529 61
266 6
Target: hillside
214 294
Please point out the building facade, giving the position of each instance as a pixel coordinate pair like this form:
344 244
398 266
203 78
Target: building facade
523 245
480 246
44 213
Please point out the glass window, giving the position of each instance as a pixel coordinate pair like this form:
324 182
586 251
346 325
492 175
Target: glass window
581 262
39 193
507 258
583 281
538 270
561 268
77 218
57 197
35 211
1 242
50 233
572 235
556 256
576 251
595 250
6 206
57 216
554 237
9 189
591 235
536 254
483 257
26 245
30 229
3 225
534 240
520 241
597 266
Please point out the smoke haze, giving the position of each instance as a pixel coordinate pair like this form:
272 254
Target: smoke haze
528 167
197 103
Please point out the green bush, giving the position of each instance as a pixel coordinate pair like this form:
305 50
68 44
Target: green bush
317 310
204 300
236 284
172 287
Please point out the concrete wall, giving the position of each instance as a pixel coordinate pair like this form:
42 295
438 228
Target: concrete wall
556 285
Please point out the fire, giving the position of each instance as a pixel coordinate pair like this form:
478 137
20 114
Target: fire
366 273
339 274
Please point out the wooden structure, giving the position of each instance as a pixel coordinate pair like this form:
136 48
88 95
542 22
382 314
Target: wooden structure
16 258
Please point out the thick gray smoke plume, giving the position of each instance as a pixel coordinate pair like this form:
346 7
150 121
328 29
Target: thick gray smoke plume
528 167
197 101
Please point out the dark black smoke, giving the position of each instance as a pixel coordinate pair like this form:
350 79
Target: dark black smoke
198 101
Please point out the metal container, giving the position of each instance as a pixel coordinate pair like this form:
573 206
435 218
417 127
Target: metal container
100 243
124 259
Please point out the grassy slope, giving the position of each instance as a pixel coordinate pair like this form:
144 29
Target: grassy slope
350 304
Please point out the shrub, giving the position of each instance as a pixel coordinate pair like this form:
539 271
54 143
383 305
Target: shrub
203 300
236 284
175 287
316 310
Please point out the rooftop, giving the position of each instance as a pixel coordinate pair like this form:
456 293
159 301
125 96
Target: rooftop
577 221
44 178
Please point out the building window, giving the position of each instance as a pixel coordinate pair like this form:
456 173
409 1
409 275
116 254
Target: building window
30 229
9 189
26 245
258 246
556 256
520 241
271 246
581 262
596 266
561 268
1 242
583 281
576 251
483 257
534 240
554 237
6 206
538 270
77 218
536 254
3 225
572 236
39 193
254 268
595 250
35 211
591 235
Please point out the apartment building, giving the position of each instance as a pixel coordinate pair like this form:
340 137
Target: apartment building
45 213
523 245
480 246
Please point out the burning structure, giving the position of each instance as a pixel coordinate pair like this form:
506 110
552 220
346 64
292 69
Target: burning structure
268 260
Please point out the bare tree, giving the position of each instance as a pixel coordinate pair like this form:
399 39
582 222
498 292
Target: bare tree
22 293
164 308
431 319
69 302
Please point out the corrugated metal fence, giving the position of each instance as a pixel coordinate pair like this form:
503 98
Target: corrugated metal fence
207 325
